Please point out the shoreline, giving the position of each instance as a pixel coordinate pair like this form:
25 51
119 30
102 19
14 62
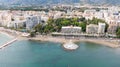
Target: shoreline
103 42
10 33
5 33
62 40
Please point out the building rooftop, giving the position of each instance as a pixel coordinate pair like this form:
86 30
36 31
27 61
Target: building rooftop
71 27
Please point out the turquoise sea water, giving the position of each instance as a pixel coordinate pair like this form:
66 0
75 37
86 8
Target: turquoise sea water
47 54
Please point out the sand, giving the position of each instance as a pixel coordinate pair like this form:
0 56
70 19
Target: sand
105 42
63 40
5 33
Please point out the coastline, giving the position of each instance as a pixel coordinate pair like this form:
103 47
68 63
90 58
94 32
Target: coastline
63 41
104 43
10 33
5 33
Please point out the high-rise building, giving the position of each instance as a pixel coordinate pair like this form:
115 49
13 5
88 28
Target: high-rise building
92 29
31 21
112 27
101 28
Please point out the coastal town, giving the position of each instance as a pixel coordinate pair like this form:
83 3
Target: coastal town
59 33
62 23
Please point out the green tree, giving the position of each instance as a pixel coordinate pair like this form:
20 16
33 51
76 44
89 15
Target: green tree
118 32
55 25
83 25
39 28
106 27
95 21
32 34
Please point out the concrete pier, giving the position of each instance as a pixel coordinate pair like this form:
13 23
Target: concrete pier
8 43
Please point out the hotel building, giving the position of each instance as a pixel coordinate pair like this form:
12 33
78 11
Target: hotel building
31 21
101 28
71 30
92 29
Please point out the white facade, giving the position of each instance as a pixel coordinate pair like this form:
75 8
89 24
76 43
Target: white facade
71 30
44 18
31 21
92 29
101 28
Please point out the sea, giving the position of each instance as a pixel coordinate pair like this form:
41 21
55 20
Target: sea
24 53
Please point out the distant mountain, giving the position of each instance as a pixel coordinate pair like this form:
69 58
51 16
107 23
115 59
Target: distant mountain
39 2
111 2
30 2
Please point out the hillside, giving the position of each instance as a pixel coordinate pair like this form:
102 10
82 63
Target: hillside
39 2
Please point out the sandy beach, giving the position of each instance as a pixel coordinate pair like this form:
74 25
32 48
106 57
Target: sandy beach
104 42
9 35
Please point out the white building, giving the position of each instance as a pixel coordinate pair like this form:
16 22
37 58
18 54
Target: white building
17 24
89 14
58 15
101 28
92 29
44 18
5 18
99 15
31 21
71 30
113 25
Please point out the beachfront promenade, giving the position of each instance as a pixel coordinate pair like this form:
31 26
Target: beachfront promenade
8 43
